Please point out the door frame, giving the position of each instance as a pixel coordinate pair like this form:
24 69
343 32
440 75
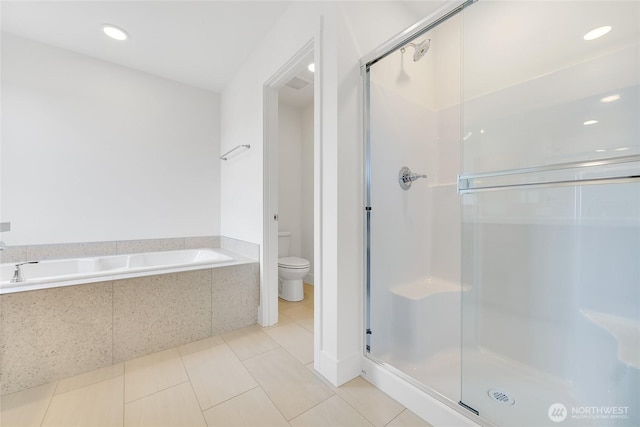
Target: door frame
268 313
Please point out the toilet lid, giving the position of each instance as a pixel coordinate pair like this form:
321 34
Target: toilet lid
293 262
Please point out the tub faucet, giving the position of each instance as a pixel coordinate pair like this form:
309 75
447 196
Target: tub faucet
3 247
17 274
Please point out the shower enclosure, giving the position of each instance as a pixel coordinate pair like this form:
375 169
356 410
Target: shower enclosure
503 211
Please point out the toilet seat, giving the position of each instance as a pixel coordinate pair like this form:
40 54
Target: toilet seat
293 262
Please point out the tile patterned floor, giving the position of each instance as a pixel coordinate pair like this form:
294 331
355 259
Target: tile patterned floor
250 377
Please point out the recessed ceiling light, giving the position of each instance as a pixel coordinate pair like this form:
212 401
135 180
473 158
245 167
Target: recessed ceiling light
610 98
598 32
114 32
623 149
590 122
312 67
600 151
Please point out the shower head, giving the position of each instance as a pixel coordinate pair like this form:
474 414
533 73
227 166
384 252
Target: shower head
420 49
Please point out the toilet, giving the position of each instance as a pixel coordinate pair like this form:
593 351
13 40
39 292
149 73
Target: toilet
291 270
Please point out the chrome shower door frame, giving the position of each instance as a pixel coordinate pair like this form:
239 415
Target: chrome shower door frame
392 45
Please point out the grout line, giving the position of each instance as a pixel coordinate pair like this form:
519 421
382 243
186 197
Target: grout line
253 355
211 282
90 383
259 354
370 421
44 416
124 362
194 391
333 393
291 354
112 325
359 412
396 416
124 390
254 379
232 397
260 385
274 405
184 366
319 403
155 392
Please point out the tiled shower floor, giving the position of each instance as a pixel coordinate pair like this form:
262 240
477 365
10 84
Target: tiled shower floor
250 377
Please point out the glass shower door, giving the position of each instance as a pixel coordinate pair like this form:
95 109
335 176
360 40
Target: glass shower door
550 189
414 216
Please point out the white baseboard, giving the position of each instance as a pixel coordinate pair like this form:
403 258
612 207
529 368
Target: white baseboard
339 372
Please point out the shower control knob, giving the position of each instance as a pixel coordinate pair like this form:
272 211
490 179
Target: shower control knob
406 177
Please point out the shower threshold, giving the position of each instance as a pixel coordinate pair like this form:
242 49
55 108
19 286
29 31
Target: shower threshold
532 390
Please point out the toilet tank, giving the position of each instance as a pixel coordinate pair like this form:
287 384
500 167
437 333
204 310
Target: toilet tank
284 239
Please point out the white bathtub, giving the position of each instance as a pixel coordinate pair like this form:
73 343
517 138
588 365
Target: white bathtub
67 272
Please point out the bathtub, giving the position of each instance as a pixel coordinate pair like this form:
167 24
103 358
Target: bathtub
67 272
121 307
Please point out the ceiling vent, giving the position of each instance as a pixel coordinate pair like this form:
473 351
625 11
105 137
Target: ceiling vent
297 83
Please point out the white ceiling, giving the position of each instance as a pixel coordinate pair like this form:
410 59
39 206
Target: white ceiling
200 43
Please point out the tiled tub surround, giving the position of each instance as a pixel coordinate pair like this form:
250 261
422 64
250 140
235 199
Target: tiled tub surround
16 254
75 271
58 332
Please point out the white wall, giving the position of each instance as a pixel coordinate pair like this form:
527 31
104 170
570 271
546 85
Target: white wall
289 175
242 179
94 151
306 242
295 179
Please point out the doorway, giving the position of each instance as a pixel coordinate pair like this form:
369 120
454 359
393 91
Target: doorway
292 186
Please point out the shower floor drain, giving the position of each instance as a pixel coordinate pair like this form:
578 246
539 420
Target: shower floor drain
501 396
